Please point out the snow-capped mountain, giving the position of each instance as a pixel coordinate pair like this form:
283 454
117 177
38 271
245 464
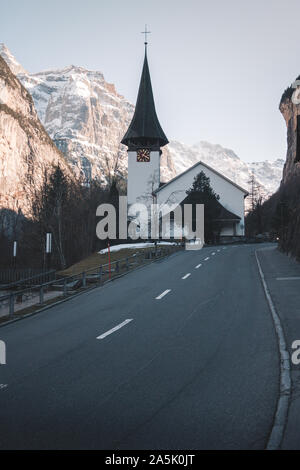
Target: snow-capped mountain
86 118
268 174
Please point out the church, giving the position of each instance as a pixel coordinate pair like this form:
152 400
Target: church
145 139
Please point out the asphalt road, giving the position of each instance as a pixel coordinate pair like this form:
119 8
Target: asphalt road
197 368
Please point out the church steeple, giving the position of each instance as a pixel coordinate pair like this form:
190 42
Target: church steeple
145 129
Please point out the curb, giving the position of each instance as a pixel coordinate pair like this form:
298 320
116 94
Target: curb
281 414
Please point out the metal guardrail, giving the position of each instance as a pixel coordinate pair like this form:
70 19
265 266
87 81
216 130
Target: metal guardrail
12 275
40 293
38 277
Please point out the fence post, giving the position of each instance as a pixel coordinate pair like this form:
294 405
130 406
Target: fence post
100 274
12 304
65 287
41 295
84 279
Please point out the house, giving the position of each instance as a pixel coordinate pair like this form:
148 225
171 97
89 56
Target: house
232 197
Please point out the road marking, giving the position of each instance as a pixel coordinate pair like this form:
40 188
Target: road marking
281 415
213 254
163 294
186 276
198 266
116 328
288 279
206 259
219 251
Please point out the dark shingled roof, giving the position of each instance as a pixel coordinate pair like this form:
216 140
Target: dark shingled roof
145 128
226 215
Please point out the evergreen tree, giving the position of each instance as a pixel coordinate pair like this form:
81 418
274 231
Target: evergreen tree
201 192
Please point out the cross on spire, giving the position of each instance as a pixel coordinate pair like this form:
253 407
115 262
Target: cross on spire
145 33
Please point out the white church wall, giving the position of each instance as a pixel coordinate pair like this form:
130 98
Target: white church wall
227 230
143 178
231 197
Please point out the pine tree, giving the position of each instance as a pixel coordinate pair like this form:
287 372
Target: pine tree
201 185
201 192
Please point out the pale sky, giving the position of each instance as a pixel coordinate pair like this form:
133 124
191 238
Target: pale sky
218 67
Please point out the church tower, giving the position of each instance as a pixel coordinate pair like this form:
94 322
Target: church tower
144 140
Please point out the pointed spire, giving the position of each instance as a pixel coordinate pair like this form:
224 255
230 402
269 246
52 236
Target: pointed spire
145 129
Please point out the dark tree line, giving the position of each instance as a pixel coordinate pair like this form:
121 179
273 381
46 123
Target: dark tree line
66 208
279 217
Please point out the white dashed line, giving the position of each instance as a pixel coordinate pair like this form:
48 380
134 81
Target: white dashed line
116 328
288 279
198 266
206 259
186 276
213 254
163 294
219 251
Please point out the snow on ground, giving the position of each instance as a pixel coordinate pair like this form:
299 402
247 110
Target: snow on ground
127 246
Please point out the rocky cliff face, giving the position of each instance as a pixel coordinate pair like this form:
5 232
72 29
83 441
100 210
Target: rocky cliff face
26 150
85 117
14 66
290 112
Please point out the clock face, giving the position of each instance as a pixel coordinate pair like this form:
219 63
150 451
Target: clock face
143 155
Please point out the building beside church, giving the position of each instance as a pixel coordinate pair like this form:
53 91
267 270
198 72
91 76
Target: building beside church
144 140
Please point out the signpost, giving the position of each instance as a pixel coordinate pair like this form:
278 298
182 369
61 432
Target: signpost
109 262
15 254
48 250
